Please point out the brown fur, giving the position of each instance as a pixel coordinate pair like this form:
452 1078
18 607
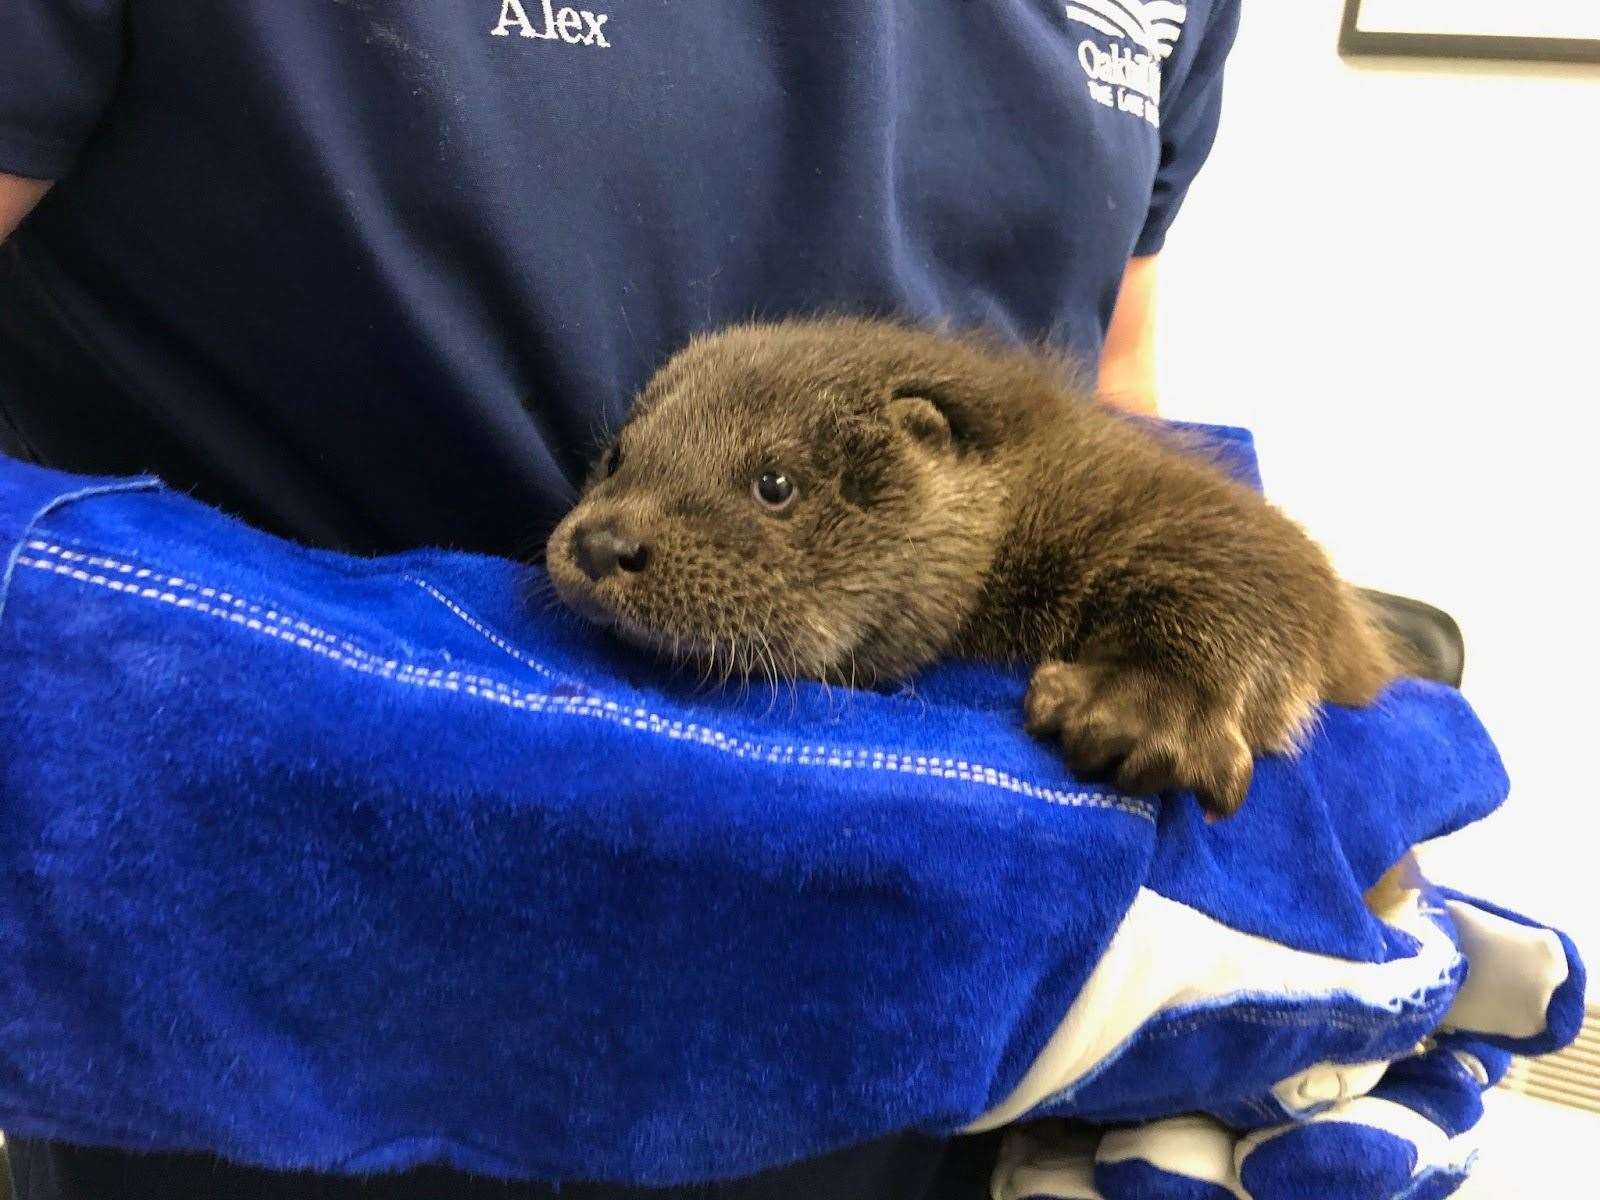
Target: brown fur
961 497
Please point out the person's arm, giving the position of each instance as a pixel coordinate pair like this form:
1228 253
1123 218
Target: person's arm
17 198
1128 360
1191 104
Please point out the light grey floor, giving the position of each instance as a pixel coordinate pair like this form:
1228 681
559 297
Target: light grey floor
1533 1151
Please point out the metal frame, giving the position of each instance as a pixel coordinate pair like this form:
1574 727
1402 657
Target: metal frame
1449 45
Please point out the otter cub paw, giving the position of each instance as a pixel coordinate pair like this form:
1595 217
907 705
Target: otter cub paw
1145 732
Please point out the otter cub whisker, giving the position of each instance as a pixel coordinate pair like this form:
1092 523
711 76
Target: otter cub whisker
859 498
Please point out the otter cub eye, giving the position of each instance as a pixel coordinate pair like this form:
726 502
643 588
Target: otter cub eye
775 491
610 461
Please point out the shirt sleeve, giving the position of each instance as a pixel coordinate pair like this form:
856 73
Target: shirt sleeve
1190 110
59 61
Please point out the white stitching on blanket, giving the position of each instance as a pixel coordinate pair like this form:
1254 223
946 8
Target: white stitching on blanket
284 629
173 581
487 634
246 613
1419 999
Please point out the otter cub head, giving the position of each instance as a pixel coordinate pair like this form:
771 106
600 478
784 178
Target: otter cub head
811 498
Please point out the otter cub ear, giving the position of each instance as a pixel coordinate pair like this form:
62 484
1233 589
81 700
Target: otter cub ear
923 421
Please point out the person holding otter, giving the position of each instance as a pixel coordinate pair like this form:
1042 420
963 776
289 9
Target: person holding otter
375 277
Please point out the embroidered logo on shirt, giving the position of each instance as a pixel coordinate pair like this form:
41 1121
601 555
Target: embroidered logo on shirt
575 26
1126 75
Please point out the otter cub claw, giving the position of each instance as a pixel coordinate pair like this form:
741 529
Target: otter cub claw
1145 732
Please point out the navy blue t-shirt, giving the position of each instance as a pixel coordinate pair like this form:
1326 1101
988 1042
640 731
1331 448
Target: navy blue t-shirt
380 274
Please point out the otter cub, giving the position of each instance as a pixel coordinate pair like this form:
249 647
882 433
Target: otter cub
849 500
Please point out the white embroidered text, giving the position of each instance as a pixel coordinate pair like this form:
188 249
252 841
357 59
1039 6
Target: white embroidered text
1126 74
575 26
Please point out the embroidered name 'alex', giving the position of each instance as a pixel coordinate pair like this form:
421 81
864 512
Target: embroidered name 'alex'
575 26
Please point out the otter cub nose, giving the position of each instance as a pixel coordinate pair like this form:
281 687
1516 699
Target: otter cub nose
600 551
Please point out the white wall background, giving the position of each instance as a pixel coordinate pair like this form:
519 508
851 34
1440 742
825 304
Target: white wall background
1391 272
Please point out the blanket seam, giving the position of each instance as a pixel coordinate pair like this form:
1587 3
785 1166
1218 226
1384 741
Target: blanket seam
142 483
253 612
459 611
592 707
267 610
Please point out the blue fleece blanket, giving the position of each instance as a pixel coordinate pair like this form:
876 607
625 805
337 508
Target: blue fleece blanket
314 861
